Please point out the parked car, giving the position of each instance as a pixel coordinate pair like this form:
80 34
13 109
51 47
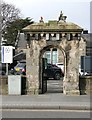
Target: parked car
20 68
60 65
81 72
53 71
2 72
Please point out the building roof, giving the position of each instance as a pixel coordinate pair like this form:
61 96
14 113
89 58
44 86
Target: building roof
21 42
53 26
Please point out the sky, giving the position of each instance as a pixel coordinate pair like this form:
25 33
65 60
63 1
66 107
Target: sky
77 11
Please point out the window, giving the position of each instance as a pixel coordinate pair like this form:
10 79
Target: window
54 56
48 56
51 55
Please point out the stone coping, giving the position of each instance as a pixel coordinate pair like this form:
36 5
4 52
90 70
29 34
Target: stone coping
86 77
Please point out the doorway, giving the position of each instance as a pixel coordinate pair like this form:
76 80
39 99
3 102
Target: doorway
49 66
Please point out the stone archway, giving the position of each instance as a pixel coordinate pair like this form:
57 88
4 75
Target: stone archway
72 57
42 51
56 33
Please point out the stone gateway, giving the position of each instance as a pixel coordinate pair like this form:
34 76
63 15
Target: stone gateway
56 36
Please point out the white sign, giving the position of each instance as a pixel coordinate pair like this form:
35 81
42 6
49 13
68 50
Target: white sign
7 54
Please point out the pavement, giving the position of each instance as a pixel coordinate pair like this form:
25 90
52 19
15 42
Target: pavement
46 101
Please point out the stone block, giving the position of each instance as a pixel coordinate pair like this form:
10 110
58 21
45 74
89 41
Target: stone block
72 93
3 85
85 85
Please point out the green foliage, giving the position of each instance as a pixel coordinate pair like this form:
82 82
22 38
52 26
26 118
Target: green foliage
13 28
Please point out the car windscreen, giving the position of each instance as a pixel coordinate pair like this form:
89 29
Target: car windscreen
20 64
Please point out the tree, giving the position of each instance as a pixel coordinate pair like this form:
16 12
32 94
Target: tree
13 28
9 14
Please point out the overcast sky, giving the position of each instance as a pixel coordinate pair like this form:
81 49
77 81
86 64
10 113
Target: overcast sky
77 11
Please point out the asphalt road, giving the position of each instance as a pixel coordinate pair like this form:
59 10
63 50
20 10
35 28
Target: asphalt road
55 86
44 114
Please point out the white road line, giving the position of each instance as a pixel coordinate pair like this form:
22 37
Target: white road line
51 110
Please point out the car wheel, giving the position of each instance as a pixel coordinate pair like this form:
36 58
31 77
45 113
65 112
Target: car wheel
57 76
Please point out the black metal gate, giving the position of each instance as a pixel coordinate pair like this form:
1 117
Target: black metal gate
44 78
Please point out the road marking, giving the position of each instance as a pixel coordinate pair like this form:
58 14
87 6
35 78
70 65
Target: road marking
51 110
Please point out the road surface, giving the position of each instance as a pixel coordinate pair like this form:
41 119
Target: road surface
45 114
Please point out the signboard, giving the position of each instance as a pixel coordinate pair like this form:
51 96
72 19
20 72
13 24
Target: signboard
86 63
7 54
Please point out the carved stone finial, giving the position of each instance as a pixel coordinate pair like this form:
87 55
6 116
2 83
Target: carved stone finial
62 17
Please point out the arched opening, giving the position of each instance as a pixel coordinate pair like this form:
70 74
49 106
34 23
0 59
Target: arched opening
55 69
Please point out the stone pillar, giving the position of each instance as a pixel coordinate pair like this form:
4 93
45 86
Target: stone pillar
71 79
32 68
82 48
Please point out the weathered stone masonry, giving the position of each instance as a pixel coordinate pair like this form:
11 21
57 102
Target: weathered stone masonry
70 43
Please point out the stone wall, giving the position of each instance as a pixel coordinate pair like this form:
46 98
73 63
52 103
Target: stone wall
60 57
3 85
85 85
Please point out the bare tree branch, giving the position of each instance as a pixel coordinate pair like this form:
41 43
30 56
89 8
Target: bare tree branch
9 13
